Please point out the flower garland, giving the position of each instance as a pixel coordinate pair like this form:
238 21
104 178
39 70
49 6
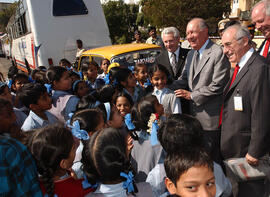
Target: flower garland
151 120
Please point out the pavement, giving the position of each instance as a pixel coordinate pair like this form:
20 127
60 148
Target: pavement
4 66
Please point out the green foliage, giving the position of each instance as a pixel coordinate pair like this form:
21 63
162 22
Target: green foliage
164 13
5 15
121 19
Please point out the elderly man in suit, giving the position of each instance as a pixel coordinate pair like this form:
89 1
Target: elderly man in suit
202 81
173 56
261 18
245 125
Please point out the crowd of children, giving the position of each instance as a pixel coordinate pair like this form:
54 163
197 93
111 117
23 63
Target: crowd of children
105 131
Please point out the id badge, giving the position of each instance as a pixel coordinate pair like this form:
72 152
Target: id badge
238 104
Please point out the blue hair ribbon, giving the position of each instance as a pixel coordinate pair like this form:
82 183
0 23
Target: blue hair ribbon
115 82
97 103
128 184
108 110
128 122
153 136
46 195
147 83
107 79
75 84
49 87
77 131
86 184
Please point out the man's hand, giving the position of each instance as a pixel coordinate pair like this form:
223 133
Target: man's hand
182 93
251 160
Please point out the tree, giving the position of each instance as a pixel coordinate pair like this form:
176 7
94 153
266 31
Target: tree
164 13
5 15
121 19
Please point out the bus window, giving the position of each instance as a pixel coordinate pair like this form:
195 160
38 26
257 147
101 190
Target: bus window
70 7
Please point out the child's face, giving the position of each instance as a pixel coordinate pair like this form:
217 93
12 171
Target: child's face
158 108
64 83
141 74
44 102
19 83
196 181
104 65
6 94
82 90
116 120
123 105
131 81
159 79
92 73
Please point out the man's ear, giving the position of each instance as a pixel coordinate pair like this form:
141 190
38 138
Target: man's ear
109 123
170 186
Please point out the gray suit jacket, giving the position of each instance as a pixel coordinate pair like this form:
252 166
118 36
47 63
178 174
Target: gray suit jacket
206 84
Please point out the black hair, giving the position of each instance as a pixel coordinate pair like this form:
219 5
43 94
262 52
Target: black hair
159 67
102 108
141 112
151 28
179 131
121 76
112 73
4 103
87 102
76 86
137 66
30 93
86 65
64 61
105 157
39 76
2 88
127 96
55 73
177 163
89 119
79 41
19 76
49 146
13 70
106 93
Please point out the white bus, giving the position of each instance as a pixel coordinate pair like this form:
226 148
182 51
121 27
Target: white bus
42 32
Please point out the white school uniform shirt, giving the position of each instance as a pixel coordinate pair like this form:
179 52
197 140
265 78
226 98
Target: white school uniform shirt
170 102
33 121
117 190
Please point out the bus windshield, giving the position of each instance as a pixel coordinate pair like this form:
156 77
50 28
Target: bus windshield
70 7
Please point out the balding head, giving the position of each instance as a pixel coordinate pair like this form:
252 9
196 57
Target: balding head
261 17
197 33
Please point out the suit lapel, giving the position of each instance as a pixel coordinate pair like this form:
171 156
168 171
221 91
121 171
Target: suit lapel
242 73
205 56
181 60
168 65
260 48
191 68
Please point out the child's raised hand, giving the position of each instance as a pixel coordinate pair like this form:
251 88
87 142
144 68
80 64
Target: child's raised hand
129 144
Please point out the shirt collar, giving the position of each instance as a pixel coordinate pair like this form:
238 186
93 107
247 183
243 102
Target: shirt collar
176 53
111 189
159 92
245 58
39 120
203 47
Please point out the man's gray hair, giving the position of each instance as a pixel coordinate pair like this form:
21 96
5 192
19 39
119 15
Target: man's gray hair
170 30
241 32
266 4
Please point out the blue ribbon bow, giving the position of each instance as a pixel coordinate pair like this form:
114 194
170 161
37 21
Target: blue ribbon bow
107 79
77 131
128 184
86 184
49 87
153 137
147 83
128 122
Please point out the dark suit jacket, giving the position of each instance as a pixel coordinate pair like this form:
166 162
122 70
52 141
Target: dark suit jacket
247 131
260 49
165 61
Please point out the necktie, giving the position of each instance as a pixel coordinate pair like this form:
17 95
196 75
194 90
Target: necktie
266 48
174 63
236 69
196 60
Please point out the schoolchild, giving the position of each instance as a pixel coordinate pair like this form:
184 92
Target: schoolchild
146 116
126 82
35 97
107 167
18 172
104 68
64 103
159 77
80 88
66 64
141 75
91 121
107 93
177 133
53 148
90 71
190 172
5 94
123 103
111 115
75 76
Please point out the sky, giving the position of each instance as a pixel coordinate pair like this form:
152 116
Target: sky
7 1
